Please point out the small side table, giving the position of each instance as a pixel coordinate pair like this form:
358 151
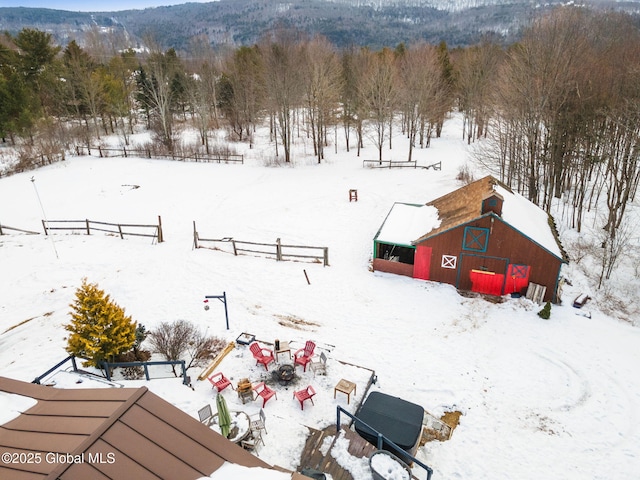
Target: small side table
346 387
284 348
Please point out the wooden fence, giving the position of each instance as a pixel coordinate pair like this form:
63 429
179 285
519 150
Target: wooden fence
121 229
399 164
5 228
276 250
148 153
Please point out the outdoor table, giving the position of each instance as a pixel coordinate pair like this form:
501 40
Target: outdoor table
346 387
240 426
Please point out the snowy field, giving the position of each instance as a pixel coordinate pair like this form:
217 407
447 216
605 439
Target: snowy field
552 399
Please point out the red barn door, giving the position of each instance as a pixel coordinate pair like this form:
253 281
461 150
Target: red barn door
422 262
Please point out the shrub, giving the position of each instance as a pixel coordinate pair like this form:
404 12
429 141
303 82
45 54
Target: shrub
99 328
545 313
183 339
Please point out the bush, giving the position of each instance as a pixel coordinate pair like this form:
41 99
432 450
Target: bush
183 339
545 313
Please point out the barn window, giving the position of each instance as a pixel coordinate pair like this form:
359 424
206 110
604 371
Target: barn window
475 239
449 261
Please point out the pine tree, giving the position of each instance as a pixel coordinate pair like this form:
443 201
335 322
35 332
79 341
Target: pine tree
99 328
545 313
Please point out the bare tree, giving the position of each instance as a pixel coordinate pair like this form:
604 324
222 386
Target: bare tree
204 68
283 53
241 90
322 90
158 90
378 90
419 87
354 66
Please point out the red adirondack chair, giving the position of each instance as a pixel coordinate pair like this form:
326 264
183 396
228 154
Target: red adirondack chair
219 381
306 394
303 356
262 355
265 392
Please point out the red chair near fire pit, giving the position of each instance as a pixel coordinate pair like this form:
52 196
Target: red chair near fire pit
306 394
262 355
219 381
303 356
265 392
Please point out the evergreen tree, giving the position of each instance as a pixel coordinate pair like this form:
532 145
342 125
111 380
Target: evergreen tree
545 313
99 328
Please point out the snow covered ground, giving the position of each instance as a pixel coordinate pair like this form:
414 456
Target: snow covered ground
555 399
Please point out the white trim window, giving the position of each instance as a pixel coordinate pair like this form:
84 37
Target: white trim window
449 261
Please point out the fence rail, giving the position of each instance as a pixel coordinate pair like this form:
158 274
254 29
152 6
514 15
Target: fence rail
148 153
4 228
400 164
277 250
120 229
109 366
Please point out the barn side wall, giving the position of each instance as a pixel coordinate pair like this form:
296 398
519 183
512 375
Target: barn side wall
381 265
505 246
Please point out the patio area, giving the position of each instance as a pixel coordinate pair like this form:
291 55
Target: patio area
288 425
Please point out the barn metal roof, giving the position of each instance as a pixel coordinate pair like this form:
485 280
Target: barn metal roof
464 205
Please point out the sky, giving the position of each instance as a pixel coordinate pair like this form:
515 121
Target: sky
553 399
94 6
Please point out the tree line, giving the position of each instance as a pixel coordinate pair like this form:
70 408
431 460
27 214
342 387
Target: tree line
556 113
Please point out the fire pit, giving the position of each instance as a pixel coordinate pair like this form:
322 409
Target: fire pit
284 374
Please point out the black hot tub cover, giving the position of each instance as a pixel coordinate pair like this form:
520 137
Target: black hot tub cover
398 420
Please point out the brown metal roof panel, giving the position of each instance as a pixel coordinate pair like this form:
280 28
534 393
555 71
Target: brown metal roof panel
86 471
40 442
198 432
24 462
200 457
55 424
122 468
147 454
95 394
26 389
70 408
13 474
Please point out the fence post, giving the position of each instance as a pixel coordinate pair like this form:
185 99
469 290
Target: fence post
160 234
278 250
88 227
326 256
1 229
120 230
235 250
44 226
195 236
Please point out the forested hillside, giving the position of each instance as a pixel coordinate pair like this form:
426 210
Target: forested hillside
344 22
555 116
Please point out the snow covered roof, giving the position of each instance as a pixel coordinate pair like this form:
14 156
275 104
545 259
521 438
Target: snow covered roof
406 222
465 204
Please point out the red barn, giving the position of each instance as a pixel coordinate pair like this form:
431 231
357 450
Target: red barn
482 237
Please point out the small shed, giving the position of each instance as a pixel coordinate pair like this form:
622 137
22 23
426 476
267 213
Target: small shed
482 237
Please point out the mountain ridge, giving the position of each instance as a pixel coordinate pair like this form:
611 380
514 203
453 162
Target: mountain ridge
368 23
